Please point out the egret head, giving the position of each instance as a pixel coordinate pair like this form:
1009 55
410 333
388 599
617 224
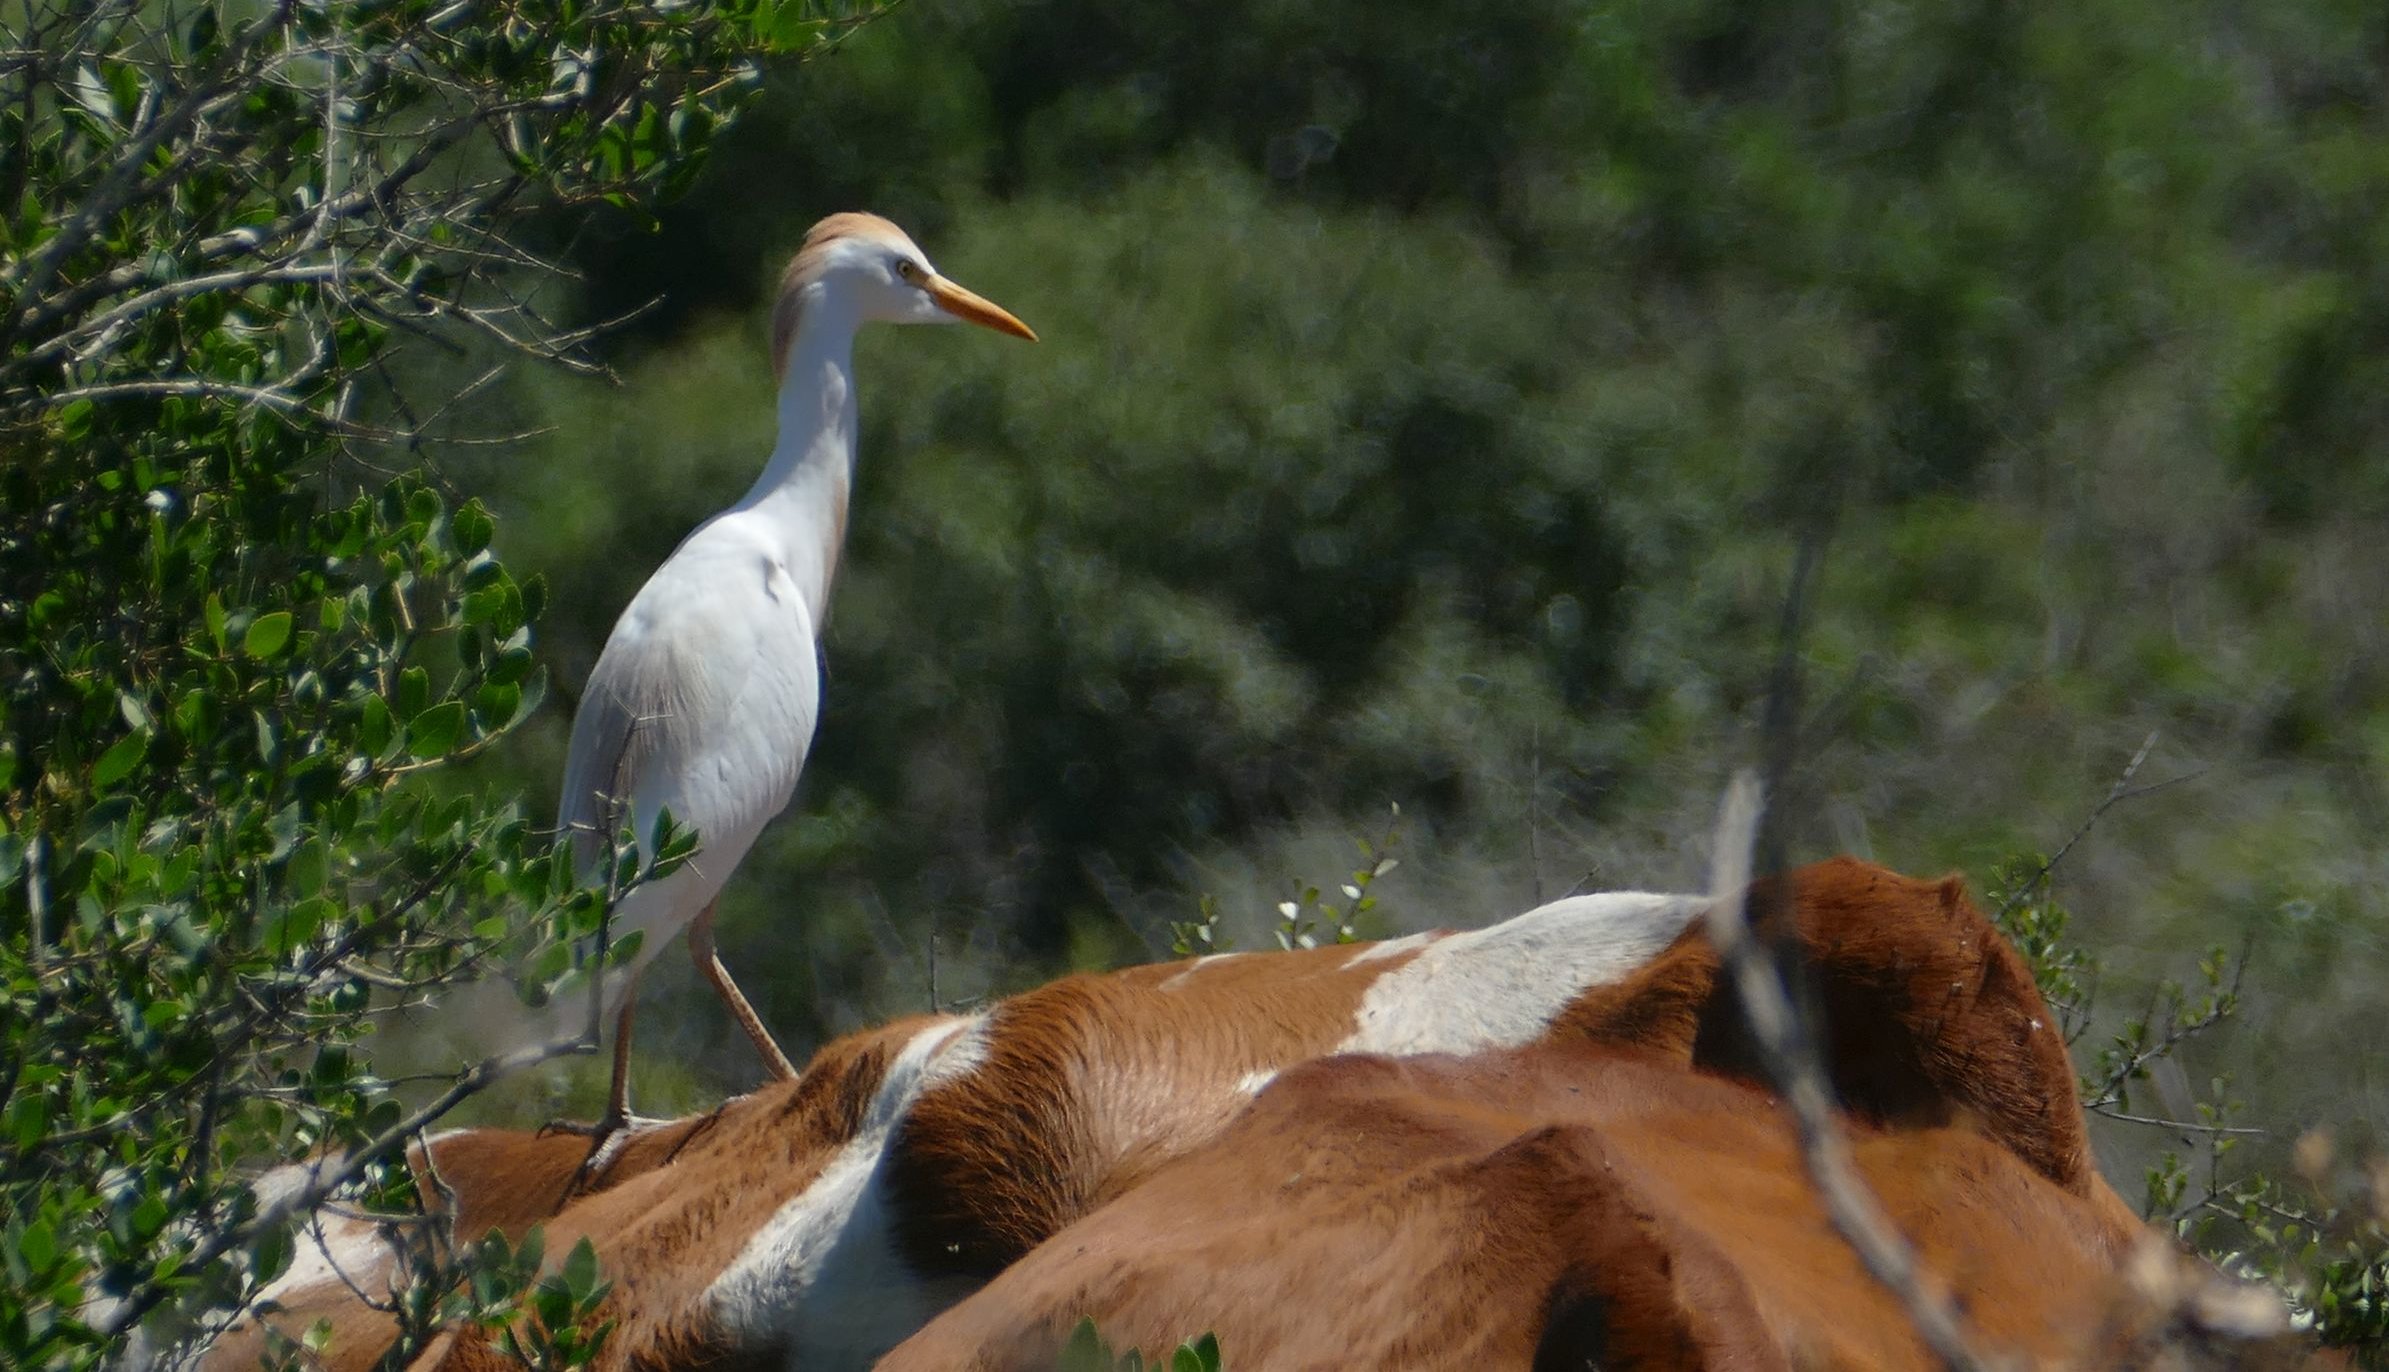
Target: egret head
863 268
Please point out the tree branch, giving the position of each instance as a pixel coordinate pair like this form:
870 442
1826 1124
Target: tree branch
1787 1050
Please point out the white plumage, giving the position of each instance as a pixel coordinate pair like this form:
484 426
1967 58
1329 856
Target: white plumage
705 698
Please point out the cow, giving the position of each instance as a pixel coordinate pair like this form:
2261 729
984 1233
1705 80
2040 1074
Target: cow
821 1222
1568 1205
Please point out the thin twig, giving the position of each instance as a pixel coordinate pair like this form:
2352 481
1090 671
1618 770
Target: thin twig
2120 791
330 1178
2189 1126
1787 1049
1534 807
2111 1089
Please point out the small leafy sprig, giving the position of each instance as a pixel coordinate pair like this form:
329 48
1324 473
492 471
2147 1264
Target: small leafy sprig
1308 915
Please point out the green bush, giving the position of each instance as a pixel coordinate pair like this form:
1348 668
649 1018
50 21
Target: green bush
2320 1237
232 641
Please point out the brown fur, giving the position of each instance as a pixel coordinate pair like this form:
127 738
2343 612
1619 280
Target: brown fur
1096 1095
654 1196
1930 1017
1091 1082
682 1225
1559 1206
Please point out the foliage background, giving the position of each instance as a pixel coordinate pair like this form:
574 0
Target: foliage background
1433 409
1429 410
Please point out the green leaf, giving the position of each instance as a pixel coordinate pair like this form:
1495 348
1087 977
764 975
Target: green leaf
552 1303
1086 1350
414 692
215 621
434 733
28 1116
120 759
534 692
294 926
375 727
270 1252
624 947
268 635
580 1270
472 527
551 964
497 702
787 25
423 507
149 1216
190 714
74 417
38 1247
533 1254
308 867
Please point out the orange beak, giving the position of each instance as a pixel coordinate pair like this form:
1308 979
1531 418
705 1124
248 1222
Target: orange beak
978 309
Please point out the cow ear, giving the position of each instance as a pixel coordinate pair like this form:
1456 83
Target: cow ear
1953 896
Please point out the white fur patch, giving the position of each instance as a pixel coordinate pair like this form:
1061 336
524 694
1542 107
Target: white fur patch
822 1279
1198 965
325 1247
1500 987
1392 948
1251 1082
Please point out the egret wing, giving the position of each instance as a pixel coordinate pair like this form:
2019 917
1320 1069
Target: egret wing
703 701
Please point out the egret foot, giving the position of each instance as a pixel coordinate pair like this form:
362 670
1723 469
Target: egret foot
611 1129
608 1134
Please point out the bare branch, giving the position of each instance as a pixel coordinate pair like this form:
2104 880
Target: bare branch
329 1178
2120 791
2186 1126
176 386
2177 1031
117 187
1787 1049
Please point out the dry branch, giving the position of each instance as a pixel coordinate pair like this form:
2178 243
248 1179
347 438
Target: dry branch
1788 1051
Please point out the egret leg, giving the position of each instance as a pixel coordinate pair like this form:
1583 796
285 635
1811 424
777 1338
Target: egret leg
709 964
607 1129
618 1088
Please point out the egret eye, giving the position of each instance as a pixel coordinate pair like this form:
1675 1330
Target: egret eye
909 270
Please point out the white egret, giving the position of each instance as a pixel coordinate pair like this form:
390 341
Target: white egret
704 700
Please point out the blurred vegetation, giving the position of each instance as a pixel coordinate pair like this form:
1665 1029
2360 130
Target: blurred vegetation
1429 408
2316 1230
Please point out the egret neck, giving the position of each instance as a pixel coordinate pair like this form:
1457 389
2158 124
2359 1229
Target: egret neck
801 497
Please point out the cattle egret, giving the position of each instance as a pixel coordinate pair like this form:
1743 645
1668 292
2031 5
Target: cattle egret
704 700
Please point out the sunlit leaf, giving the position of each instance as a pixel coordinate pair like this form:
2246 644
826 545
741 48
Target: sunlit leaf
267 635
